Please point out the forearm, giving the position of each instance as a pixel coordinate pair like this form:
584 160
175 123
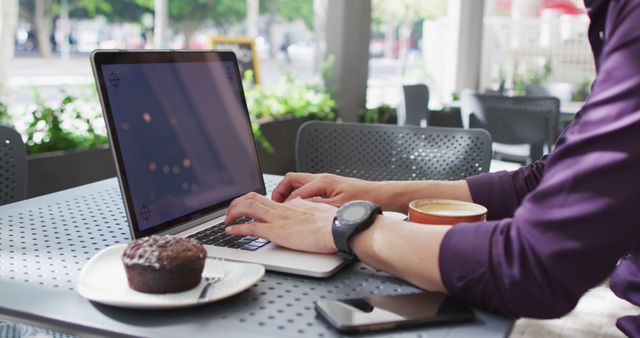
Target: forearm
395 196
406 250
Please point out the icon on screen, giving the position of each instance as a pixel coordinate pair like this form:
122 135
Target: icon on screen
114 80
145 212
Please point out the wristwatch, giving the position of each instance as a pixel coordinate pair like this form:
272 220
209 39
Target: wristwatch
351 218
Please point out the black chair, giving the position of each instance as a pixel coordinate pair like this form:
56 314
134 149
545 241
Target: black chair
379 152
415 107
515 120
449 117
13 166
535 90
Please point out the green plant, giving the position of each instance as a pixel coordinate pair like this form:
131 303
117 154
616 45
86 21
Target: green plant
382 114
4 110
583 91
61 127
64 127
531 76
4 113
539 77
289 98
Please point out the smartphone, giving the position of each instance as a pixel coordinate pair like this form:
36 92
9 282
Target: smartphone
389 312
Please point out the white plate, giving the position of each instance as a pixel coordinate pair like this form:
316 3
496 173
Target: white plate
103 280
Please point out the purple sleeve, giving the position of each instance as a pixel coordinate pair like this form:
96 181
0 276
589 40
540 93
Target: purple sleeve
567 233
502 192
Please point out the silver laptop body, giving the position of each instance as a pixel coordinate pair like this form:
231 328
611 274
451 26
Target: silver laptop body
183 146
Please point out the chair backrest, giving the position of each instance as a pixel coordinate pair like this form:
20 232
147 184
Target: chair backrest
13 166
388 152
450 118
416 105
534 89
514 120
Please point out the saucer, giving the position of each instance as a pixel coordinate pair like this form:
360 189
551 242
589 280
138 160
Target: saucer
104 280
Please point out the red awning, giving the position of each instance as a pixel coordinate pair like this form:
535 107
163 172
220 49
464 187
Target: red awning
563 6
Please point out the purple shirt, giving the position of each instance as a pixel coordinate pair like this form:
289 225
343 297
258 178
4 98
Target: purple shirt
562 225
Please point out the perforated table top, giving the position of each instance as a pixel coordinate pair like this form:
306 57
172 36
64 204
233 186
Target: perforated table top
45 241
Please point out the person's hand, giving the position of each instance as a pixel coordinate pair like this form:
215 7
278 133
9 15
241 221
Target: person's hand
325 188
296 224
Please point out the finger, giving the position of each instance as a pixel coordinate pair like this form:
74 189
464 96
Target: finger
309 204
244 197
263 199
252 207
251 195
258 229
315 188
334 201
289 183
236 201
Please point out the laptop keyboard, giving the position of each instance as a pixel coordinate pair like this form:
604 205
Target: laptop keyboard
215 235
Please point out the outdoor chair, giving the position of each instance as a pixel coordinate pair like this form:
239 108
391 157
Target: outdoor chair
536 90
379 152
515 120
13 166
415 107
450 117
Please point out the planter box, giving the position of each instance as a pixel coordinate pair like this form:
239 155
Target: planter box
451 118
50 172
282 136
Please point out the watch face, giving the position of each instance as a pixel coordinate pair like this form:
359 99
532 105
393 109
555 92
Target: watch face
354 213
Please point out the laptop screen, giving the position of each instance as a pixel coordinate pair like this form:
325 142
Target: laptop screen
183 136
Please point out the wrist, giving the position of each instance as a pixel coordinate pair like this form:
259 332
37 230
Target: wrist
363 243
395 196
329 242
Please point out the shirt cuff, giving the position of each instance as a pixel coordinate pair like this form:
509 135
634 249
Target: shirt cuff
465 263
495 192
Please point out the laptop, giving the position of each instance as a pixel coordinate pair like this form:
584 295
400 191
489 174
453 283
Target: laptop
183 145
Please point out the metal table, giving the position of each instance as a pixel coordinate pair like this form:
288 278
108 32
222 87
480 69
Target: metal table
45 241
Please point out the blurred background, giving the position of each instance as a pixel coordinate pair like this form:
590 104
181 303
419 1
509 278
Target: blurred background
373 61
45 43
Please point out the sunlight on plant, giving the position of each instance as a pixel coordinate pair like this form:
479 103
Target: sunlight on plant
71 124
290 98
76 121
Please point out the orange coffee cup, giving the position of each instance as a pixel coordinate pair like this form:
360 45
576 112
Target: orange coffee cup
445 212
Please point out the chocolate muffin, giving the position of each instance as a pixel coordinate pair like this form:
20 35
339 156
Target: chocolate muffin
164 264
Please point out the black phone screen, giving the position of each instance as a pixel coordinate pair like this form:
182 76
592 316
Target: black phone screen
387 312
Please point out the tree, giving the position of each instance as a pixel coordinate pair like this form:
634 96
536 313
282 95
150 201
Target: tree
289 10
42 21
8 21
112 10
41 13
286 10
189 16
403 15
